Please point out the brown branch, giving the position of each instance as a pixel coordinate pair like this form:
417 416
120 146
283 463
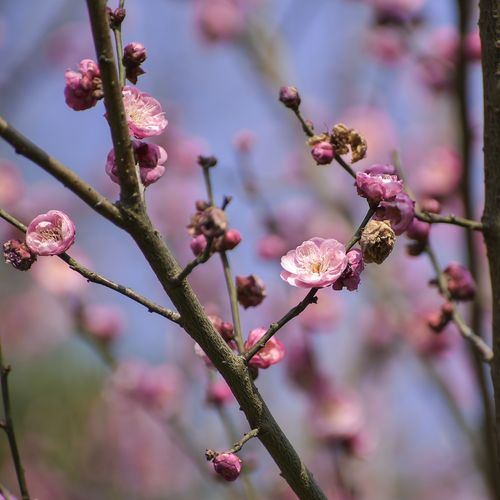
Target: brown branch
200 259
8 427
449 219
61 172
239 444
101 280
130 189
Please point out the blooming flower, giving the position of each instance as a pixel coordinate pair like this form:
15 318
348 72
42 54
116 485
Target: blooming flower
273 352
50 234
399 212
84 87
315 263
227 465
377 187
144 114
149 157
351 276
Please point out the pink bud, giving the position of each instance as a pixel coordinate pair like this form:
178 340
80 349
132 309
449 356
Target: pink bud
351 276
377 187
290 97
230 240
18 255
103 322
418 230
219 393
223 327
251 290
134 54
83 88
323 153
50 234
430 205
460 282
198 244
227 465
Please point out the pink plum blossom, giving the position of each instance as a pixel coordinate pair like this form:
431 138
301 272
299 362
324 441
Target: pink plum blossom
387 45
315 263
378 187
399 212
227 465
271 246
219 20
145 117
83 88
273 352
351 276
460 282
149 157
51 233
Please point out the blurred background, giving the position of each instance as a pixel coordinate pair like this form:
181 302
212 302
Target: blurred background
111 402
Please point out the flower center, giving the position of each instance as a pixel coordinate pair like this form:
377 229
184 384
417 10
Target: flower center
316 267
51 233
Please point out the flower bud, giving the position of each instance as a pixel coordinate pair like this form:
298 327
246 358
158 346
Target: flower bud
273 352
351 276
18 255
431 205
377 187
225 329
323 153
198 244
227 465
251 290
134 55
230 240
219 393
418 231
84 87
460 282
290 97
377 241
116 17
207 161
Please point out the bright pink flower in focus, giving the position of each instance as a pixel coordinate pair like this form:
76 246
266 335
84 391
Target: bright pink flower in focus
84 87
378 187
315 263
227 465
50 234
273 352
145 117
149 157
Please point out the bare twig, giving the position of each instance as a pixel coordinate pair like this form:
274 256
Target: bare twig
200 259
448 219
8 426
239 444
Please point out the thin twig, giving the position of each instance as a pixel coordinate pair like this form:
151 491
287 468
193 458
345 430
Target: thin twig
200 259
448 219
239 444
466 332
117 31
101 280
8 427
310 298
61 172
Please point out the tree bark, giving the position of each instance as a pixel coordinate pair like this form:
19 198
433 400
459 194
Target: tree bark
489 24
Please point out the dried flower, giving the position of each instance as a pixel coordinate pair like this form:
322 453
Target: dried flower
227 465
51 233
273 352
315 263
84 87
344 138
144 115
351 276
212 222
251 290
377 241
18 255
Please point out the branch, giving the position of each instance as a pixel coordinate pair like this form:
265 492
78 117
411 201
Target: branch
200 259
310 298
449 219
101 280
477 342
61 172
8 427
130 192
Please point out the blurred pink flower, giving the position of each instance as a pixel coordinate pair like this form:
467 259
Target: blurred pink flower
315 263
219 20
84 87
244 141
460 282
51 233
387 45
271 246
219 393
104 322
145 117
473 46
273 352
149 157
11 184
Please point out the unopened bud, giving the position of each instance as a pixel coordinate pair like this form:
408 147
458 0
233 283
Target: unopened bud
290 97
251 290
227 465
377 241
230 240
207 161
323 153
